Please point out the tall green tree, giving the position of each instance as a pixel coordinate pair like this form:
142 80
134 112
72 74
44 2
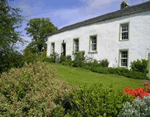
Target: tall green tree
39 29
10 20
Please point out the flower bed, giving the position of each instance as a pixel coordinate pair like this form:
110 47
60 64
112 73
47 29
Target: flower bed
141 92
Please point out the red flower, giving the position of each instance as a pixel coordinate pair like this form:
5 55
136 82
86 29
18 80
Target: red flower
145 83
148 87
141 92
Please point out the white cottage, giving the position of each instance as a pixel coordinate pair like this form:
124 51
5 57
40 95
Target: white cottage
121 36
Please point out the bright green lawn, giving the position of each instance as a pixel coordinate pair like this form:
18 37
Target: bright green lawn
79 76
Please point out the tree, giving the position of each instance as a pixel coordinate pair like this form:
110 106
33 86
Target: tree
39 29
10 20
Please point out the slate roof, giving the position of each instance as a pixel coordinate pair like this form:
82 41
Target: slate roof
123 12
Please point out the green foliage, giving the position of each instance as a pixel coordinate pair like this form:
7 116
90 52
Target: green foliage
120 71
33 90
43 56
104 63
54 57
29 56
10 20
10 59
92 63
39 29
139 66
62 58
68 61
97 100
78 59
32 47
139 108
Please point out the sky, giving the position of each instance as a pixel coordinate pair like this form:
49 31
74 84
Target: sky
64 12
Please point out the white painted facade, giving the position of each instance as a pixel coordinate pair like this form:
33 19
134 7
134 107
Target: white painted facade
108 39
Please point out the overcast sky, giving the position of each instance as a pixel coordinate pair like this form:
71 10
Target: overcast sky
65 12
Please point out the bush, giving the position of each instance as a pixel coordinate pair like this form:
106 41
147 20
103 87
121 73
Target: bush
120 71
68 61
43 56
78 59
104 63
95 64
139 66
62 58
33 90
97 100
30 57
139 108
10 59
54 57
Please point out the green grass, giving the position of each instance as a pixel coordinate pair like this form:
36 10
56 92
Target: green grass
79 76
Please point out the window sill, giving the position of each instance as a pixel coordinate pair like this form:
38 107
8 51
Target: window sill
76 51
95 52
124 67
124 40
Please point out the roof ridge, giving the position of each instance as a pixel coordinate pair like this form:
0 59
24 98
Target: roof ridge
118 13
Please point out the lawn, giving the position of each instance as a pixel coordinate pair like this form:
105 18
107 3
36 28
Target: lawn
79 76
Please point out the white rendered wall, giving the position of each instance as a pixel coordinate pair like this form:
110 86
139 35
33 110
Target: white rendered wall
108 43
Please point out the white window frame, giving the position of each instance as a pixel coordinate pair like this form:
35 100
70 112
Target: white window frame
52 47
93 44
125 57
76 45
124 31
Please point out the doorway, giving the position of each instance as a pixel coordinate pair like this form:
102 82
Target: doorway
64 49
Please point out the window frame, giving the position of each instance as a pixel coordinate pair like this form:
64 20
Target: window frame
120 58
90 44
120 31
52 47
74 46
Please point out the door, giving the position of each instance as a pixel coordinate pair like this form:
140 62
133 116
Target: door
64 49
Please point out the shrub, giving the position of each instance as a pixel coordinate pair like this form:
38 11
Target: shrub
54 57
139 66
97 100
120 71
10 59
95 64
68 61
43 56
62 58
33 90
139 108
78 59
30 57
87 66
104 63
101 70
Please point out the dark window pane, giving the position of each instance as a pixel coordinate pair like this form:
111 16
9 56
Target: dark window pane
123 62
124 54
76 46
93 46
125 35
93 40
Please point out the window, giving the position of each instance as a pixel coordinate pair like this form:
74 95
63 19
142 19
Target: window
76 45
124 32
52 48
124 58
93 43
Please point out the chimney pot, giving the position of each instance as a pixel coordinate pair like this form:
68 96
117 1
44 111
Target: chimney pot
124 5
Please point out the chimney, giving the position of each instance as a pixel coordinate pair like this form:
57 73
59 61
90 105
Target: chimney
124 5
